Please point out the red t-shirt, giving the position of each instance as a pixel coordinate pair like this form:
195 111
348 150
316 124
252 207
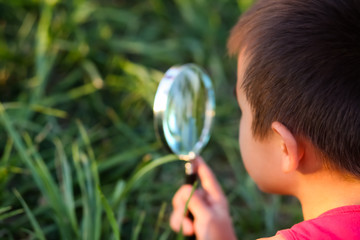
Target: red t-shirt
338 223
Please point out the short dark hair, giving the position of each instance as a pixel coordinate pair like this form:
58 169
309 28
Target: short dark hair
304 71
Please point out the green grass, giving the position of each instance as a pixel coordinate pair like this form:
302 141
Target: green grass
78 154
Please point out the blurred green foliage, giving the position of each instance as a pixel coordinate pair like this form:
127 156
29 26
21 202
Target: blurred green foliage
78 153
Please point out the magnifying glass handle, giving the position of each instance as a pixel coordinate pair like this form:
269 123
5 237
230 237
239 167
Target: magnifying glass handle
191 179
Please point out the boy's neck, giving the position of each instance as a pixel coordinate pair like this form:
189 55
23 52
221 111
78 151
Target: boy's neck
327 190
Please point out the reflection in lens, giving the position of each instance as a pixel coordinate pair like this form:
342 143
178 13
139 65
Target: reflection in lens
189 110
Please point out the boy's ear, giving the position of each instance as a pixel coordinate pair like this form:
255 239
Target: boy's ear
291 149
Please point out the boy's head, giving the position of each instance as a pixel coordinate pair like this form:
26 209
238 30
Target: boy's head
303 70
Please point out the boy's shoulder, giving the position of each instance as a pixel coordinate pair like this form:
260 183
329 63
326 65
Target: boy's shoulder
339 223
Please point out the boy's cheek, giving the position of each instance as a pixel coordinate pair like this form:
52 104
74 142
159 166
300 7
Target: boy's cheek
245 139
245 147
255 158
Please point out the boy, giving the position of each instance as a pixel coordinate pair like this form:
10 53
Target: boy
299 91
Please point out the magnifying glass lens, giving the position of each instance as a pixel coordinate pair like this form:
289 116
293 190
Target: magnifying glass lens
189 110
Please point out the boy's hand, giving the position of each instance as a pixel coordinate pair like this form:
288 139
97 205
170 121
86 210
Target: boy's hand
208 205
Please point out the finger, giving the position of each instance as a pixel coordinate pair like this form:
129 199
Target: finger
179 222
197 204
175 220
181 196
208 180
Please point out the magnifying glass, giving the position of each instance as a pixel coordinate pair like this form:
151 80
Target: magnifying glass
184 108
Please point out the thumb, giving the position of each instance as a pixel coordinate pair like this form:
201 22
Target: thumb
208 180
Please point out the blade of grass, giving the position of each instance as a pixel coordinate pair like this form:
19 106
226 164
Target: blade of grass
43 61
7 151
38 231
71 95
83 10
26 27
67 184
51 189
91 201
36 108
93 197
70 79
159 220
4 209
81 181
49 111
132 153
142 171
39 172
124 129
110 216
120 211
93 183
120 215
93 73
85 138
165 235
138 226
118 16
4 216
5 168
271 210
